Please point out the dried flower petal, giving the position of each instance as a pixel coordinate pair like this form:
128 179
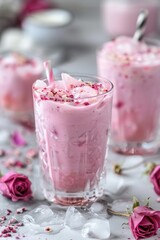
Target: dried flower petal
18 139
21 210
15 163
32 153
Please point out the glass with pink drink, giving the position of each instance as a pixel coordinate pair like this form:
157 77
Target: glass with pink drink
119 16
134 68
18 72
72 124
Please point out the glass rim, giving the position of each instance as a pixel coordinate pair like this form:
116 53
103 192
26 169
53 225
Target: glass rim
109 92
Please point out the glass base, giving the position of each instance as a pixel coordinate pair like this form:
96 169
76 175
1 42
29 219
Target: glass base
73 199
137 148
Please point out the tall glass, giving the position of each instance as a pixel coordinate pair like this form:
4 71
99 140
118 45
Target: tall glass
72 141
134 68
18 72
119 16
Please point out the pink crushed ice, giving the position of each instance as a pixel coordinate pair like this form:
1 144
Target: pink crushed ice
17 139
69 81
70 89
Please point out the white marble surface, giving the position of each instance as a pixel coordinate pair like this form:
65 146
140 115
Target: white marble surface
122 188
81 44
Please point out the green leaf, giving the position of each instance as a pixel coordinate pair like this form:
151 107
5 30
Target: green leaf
147 202
149 167
135 203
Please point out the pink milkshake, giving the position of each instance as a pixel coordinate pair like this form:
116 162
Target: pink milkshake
119 16
17 74
72 125
134 68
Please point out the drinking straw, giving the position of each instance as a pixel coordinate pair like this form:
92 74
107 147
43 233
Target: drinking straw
141 25
49 73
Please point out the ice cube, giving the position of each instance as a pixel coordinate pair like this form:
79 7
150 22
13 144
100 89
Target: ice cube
28 219
33 228
69 80
97 207
43 220
41 213
40 84
96 228
74 219
83 92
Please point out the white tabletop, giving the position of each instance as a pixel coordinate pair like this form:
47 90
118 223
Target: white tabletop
81 44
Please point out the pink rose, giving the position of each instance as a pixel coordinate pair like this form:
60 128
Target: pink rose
155 179
144 222
15 186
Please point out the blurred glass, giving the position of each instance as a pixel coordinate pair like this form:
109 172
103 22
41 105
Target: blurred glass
119 16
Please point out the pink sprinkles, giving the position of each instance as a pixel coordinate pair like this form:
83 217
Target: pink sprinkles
62 95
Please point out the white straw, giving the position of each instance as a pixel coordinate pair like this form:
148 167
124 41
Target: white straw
141 25
49 72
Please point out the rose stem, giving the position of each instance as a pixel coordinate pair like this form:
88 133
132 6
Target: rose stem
122 214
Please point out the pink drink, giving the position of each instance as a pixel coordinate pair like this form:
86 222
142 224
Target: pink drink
119 16
134 68
17 74
72 124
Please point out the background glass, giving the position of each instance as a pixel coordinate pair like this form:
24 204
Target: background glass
136 104
120 16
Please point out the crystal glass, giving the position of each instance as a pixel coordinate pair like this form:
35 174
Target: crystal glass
119 16
18 71
72 143
134 69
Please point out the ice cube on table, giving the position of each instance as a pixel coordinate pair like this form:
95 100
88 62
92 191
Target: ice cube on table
43 220
41 213
97 207
96 228
74 219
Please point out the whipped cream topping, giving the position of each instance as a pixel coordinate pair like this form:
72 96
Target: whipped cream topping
71 90
20 63
125 50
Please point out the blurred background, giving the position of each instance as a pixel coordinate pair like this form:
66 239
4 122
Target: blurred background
79 27
49 34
